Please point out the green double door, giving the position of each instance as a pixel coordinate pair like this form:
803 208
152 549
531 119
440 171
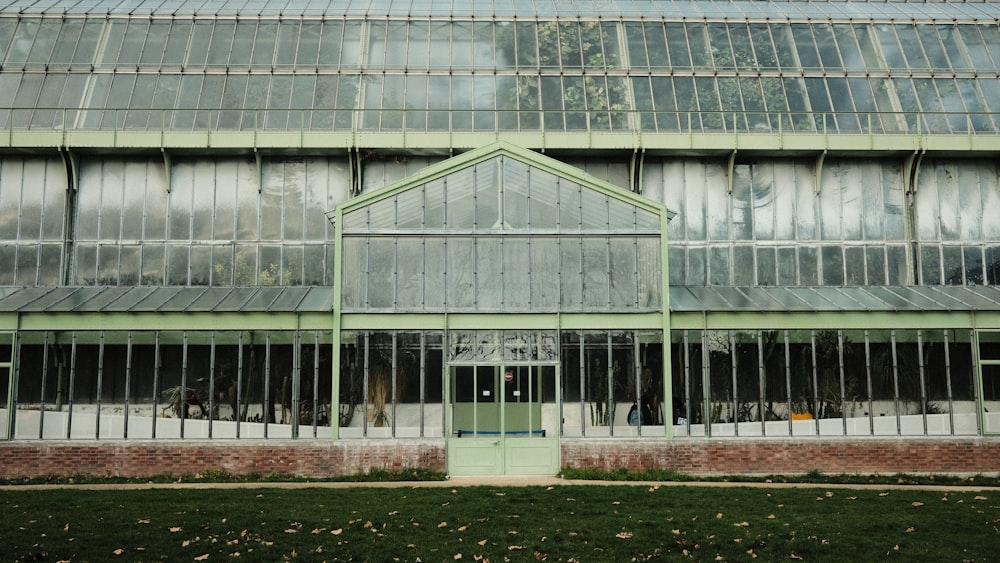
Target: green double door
504 420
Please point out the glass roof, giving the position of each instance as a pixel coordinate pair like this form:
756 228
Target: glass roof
840 299
166 299
521 8
659 66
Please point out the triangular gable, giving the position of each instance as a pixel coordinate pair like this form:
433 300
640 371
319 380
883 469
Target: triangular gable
501 186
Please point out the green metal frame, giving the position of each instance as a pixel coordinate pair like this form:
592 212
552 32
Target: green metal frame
8 364
981 403
553 321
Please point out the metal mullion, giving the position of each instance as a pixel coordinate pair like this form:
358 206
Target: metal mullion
815 379
392 383
788 381
734 363
296 381
41 397
315 402
610 382
895 380
239 384
706 385
947 376
762 382
156 379
100 381
184 376
921 372
364 386
581 379
868 380
211 383
423 382
843 388
637 381
72 382
685 340
266 415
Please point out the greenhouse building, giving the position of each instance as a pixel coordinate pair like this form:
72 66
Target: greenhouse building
487 237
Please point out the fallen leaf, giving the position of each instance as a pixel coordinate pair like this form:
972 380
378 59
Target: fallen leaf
66 527
883 494
911 529
143 522
291 531
457 556
337 532
743 524
318 530
917 503
771 516
481 542
174 529
118 551
719 516
624 535
443 525
393 513
977 497
794 556
201 557
514 547
462 528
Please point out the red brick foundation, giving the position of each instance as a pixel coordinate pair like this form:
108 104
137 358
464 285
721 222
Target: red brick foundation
349 457
144 459
771 457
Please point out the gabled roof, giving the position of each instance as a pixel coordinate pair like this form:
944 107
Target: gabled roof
501 148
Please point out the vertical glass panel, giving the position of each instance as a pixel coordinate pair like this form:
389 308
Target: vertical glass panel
517 273
720 383
461 273
545 275
596 282
488 274
624 273
263 45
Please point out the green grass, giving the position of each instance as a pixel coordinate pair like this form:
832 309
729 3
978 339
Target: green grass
499 523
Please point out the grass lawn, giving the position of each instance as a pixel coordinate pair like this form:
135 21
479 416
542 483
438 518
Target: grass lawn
499 523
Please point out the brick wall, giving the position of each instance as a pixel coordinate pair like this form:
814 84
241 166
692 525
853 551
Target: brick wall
145 459
349 457
764 457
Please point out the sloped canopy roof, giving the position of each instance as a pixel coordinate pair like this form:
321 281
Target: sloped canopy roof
942 298
165 299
